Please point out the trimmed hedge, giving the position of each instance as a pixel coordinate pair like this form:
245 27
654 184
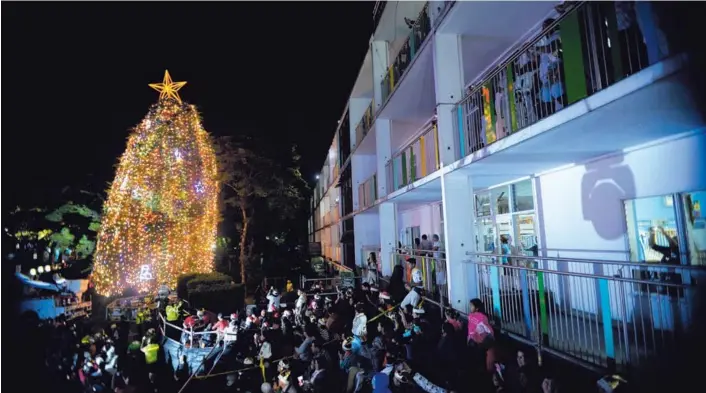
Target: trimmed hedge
213 291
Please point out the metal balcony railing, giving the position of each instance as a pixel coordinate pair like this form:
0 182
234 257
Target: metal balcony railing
368 192
432 266
377 13
361 130
419 159
417 36
590 47
595 311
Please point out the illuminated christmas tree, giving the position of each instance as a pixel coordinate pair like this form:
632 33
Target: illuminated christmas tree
161 216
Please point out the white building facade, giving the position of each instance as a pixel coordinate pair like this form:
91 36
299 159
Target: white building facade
554 151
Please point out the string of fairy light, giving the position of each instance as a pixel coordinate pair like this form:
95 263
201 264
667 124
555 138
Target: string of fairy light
161 214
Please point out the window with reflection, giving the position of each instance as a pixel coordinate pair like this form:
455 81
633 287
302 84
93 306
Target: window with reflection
522 196
483 204
695 225
653 234
501 199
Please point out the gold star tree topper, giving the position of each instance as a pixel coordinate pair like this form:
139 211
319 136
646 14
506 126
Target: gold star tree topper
168 89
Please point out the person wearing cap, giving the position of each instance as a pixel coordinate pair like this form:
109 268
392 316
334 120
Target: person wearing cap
208 318
191 323
383 300
220 326
414 296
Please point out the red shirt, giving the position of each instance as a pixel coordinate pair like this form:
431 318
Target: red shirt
190 321
220 325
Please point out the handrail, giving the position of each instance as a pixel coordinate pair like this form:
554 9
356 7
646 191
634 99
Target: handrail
203 360
397 69
559 66
583 260
423 153
367 197
404 251
583 275
495 70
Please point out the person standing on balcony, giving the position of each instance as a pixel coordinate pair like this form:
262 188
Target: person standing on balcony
439 265
505 249
548 49
425 245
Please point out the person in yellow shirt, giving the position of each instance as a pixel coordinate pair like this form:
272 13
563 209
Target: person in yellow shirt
151 350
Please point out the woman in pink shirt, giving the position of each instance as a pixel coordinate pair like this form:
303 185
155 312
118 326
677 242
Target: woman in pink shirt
479 330
480 334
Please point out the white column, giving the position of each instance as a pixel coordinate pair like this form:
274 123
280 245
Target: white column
459 229
448 78
383 150
388 235
380 52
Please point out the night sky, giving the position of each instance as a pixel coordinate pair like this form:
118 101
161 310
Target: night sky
75 79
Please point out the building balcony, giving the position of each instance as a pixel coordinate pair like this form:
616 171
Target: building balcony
361 130
408 51
575 57
417 160
368 192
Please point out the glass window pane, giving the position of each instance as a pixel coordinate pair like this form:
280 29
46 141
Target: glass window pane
485 235
652 229
526 235
695 223
483 204
522 196
500 198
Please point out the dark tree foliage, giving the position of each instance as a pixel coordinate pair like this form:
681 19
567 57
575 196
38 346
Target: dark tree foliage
263 192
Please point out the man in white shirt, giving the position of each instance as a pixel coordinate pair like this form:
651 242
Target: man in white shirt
414 295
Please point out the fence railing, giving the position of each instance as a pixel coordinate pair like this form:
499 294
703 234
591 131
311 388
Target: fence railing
590 47
436 14
368 192
419 159
186 335
432 267
601 312
419 33
365 123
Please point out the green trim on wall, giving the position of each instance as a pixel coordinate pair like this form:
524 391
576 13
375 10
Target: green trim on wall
511 96
573 67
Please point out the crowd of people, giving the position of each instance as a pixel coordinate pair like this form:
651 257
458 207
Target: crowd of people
330 339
